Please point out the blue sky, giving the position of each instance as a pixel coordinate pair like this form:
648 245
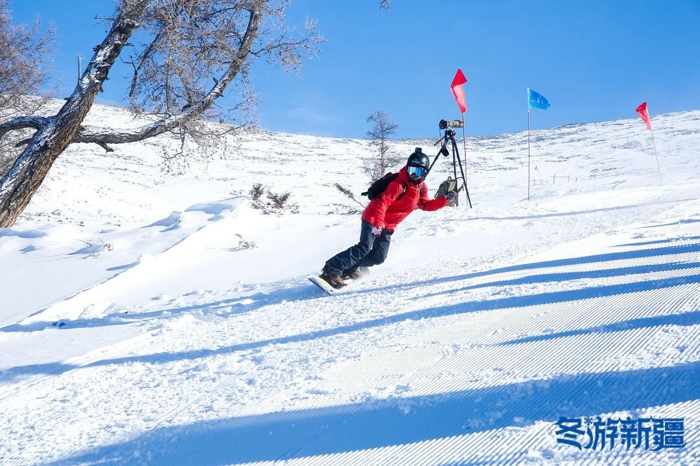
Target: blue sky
594 61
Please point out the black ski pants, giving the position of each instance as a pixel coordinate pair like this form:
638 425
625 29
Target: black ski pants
368 252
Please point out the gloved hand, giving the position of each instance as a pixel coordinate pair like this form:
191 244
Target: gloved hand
377 231
450 196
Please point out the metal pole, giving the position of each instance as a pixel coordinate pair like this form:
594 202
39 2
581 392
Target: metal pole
464 141
528 155
454 162
658 167
455 153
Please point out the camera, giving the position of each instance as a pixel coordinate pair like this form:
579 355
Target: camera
444 124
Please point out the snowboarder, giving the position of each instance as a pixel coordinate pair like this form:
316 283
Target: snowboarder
379 219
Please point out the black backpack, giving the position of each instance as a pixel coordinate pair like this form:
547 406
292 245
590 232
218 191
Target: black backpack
379 186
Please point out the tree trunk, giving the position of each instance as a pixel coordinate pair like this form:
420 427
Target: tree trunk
57 132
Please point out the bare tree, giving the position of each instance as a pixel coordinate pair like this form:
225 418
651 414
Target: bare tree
23 50
53 134
189 52
378 136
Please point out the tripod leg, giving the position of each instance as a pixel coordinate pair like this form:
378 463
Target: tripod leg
454 167
455 152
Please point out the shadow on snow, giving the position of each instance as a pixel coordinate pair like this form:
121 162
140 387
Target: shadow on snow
224 307
400 421
595 258
597 292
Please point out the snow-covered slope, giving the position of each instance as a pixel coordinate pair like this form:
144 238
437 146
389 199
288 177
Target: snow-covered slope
147 319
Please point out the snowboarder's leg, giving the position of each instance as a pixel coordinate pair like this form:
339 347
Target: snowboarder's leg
379 252
351 256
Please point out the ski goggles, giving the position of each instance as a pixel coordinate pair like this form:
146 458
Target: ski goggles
417 171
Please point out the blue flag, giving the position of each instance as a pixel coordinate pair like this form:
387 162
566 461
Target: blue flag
536 100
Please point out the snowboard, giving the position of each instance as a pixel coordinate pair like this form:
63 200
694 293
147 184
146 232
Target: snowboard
321 283
325 286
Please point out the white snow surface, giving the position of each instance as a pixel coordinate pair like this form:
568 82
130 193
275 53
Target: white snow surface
151 319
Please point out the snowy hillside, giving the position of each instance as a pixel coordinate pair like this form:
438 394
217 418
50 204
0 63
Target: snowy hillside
149 319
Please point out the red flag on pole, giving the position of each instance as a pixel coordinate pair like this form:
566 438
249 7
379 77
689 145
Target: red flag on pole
644 114
458 90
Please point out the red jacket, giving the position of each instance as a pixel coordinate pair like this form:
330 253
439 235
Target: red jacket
386 211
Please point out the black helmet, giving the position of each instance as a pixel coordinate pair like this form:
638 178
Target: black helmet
420 163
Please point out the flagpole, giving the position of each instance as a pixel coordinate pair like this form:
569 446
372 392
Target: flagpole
643 113
658 167
534 100
464 141
528 154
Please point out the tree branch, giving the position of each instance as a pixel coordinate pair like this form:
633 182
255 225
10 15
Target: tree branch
104 136
195 109
235 66
36 122
142 60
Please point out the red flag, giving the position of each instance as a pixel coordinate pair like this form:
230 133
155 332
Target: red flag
458 90
644 114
